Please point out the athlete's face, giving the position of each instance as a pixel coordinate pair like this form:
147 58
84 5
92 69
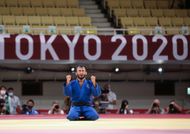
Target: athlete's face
81 72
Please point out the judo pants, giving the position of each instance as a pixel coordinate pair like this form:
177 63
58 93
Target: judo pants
87 112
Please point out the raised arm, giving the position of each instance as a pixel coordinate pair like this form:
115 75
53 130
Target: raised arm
95 88
67 86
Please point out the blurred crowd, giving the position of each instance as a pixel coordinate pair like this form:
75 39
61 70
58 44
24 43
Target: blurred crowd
10 104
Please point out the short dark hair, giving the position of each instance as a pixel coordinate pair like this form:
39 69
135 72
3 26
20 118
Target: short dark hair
172 101
30 100
81 66
10 89
3 87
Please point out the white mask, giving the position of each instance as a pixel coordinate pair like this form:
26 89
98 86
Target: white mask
2 92
11 94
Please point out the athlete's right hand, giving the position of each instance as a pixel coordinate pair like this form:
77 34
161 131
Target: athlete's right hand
68 78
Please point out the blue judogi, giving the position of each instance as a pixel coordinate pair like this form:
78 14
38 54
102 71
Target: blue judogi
82 95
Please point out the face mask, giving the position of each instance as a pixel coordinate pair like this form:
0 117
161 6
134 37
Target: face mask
2 92
30 107
11 94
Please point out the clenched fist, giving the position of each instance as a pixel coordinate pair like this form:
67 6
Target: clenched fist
68 78
93 79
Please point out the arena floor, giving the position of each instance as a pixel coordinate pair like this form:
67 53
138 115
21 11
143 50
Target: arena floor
107 124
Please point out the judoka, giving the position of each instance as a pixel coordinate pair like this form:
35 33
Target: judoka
81 92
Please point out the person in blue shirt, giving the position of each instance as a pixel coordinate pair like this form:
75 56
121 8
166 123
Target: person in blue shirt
81 92
28 109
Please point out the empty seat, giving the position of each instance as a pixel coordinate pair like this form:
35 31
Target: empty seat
66 12
85 21
157 12
34 20
73 3
36 3
24 3
78 12
47 20
1 20
60 21
133 30
165 22
89 30
169 12
186 21
188 12
150 4
48 3
29 11
144 12
13 30
132 12
125 4
151 21
177 21
11 3
54 11
172 30
72 21
36 30
181 13
65 30
163 4
21 20
117 14
16 11
146 30
41 11
113 3
4 11
61 3
139 21
126 22
9 20
111 6
2 3
137 3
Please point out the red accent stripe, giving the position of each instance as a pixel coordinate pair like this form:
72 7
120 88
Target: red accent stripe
3 117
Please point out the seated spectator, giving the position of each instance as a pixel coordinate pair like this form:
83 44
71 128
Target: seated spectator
55 109
96 104
112 98
124 109
187 112
155 108
102 101
4 106
28 109
67 104
14 102
174 108
107 99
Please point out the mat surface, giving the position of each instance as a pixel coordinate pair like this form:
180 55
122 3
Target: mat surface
107 124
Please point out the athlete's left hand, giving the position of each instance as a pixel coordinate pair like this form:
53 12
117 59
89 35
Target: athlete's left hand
93 79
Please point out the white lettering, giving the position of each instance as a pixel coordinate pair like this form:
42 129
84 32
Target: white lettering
86 47
184 55
30 46
71 45
157 56
135 49
2 45
47 45
116 55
